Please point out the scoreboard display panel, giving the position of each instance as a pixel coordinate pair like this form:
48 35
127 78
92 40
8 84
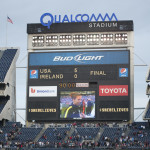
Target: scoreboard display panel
79 85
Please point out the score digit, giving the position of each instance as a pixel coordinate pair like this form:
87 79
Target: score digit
75 69
60 85
75 76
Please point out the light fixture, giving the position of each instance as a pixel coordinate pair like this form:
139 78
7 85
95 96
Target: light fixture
93 39
121 38
79 39
51 40
38 41
106 39
65 40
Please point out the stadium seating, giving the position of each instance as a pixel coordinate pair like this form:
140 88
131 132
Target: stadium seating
27 134
140 124
140 131
137 136
111 134
148 76
5 62
8 128
8 58
147 113
3 102
86 133
54 134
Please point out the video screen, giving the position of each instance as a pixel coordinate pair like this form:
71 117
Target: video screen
77 104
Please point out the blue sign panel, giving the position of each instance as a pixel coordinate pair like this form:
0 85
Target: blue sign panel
79 58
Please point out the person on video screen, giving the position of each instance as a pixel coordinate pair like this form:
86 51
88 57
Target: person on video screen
74 110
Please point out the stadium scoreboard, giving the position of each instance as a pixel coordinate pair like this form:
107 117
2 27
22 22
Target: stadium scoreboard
102 74
103 77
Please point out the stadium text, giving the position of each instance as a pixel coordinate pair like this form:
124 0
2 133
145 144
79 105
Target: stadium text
75 18
78 58
53 76
114 109
43 110
113 90
95 73
103 25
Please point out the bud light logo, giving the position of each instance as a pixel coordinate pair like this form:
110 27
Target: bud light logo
81 58
123 72
33 74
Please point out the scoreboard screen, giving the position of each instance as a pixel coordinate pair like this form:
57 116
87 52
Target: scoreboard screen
79 85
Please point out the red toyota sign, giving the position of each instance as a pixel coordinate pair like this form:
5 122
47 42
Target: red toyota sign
113 90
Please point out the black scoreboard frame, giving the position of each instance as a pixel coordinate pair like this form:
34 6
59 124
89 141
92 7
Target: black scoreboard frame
91 83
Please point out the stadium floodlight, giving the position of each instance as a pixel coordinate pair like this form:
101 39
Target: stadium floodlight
79 39
51 40
65 40
38 41
106 39
121 38
81 35
93 39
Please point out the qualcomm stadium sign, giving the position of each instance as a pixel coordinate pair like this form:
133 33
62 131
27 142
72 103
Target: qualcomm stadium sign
75 18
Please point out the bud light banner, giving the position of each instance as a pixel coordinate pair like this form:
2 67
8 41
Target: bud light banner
79 58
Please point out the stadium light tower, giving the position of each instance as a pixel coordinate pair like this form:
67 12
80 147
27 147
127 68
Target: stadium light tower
92 58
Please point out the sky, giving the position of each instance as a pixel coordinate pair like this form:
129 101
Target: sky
23 12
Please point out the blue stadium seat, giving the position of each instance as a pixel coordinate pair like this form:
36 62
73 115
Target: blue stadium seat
53 134
148 76
86 133
5 62
27 134
134 138
147 115
3 101
8 128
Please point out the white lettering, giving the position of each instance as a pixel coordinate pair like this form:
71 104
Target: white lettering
102 90
124 91
78 58
113 90
103 25
106 90
57 58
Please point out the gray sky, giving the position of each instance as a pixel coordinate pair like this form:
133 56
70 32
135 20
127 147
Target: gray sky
29 11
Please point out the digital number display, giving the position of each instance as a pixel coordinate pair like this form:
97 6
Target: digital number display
73 85
67 85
